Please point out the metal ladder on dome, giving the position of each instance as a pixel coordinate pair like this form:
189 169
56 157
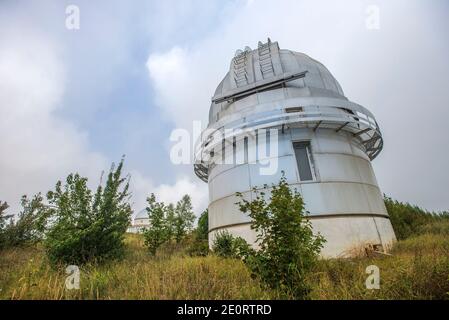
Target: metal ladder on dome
240 75
265 61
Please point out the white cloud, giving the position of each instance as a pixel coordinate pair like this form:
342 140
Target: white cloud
182 92
173 193
37 147
142 186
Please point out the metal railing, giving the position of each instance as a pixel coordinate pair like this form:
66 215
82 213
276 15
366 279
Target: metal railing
360 123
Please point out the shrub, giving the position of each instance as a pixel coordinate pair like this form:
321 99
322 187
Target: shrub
199 248
30 225
168 222
202 231
227 246
409 220
158 231
170 217
88 227
3 216
184 218
288 249
439 226
3 221
223 244
200 245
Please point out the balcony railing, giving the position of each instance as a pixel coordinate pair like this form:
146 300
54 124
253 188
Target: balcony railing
357 121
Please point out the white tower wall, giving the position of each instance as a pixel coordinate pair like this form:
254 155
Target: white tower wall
344 201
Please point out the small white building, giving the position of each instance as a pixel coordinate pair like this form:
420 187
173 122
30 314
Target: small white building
139 222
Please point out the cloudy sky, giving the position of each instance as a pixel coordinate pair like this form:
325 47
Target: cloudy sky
77 99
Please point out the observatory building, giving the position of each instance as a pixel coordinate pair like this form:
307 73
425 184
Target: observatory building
323 142
140 221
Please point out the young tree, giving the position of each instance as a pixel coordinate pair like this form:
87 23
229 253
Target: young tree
88 227
409 220
157 232
200 244
3 222
170 218
184 218
202 231
3 216
30 225
288 249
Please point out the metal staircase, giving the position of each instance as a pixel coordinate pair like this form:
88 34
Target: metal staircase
265 61
240 74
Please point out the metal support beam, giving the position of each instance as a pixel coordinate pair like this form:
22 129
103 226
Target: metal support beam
251 89
342 126
362 132
372 139
317 125
371 149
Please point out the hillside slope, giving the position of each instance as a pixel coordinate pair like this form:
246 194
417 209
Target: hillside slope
418 269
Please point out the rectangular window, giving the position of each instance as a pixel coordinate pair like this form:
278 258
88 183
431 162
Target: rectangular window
303 159
294 109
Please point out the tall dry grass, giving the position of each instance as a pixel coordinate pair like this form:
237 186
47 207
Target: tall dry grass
418 269
25 274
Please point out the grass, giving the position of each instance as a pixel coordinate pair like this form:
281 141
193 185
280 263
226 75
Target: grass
418 269
25 274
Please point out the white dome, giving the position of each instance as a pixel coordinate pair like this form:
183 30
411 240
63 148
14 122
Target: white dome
273 88
256 69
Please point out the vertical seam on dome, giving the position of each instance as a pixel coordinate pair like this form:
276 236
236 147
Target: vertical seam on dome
321 77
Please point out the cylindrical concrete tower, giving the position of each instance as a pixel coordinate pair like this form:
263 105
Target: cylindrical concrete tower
324 146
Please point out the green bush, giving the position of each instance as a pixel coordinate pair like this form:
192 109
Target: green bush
86 227
409 220
227 246
168 222
3 222
184 218
158 231
439 226
3 216
200 245
199 248
30 225
202 231
223 244
288 249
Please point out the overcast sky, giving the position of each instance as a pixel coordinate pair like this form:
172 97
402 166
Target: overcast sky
76 100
